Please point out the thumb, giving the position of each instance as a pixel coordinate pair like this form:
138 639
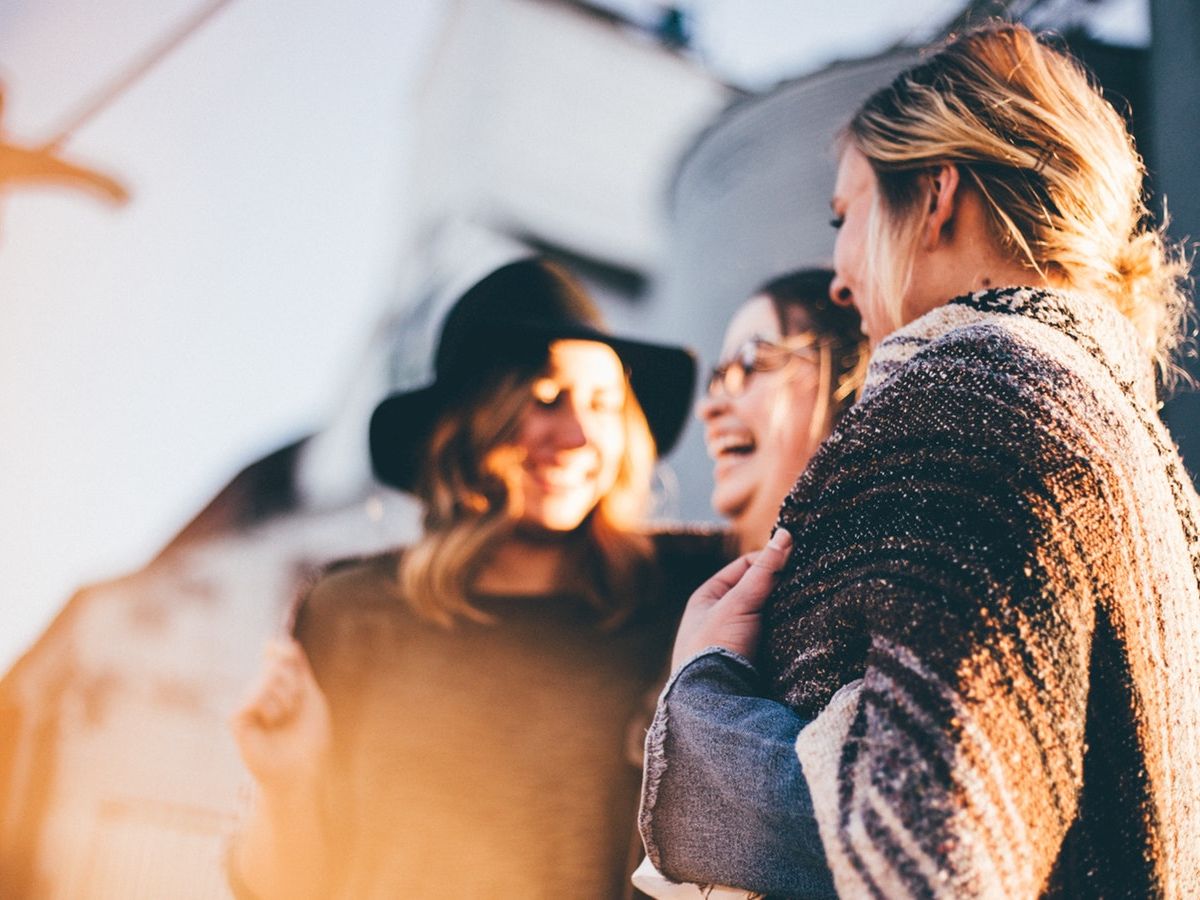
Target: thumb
752 589
772 557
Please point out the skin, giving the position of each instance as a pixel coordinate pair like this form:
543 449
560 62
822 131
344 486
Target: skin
565 458
759 441
955 254
571 437
727 609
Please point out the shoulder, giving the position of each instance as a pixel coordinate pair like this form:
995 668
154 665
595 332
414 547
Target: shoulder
347 598
1033 348
982 386
978 420
971 354
354 582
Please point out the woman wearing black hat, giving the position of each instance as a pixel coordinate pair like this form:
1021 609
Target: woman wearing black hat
453 719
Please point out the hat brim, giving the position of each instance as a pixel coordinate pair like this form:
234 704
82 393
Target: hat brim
663 378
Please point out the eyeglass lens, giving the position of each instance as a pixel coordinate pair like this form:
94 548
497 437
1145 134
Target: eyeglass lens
756 355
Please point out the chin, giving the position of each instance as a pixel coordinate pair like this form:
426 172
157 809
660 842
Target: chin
728 503
561 525
560 519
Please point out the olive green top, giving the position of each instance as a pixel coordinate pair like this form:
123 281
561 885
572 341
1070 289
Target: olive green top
488 760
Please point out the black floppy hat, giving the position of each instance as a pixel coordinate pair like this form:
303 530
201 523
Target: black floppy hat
507 320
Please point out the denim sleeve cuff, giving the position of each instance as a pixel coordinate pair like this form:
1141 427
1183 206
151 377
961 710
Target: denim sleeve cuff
724 800
718 663
655 765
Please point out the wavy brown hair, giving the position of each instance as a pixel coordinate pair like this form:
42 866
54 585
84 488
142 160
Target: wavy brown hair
469 509
1051 158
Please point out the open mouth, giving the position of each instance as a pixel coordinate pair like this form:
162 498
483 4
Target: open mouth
731 446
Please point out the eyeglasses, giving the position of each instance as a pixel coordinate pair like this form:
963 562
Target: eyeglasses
759 355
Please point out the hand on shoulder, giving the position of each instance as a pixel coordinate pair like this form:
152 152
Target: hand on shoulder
726 611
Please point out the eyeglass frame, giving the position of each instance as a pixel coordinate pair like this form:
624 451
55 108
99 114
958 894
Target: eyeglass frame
746 359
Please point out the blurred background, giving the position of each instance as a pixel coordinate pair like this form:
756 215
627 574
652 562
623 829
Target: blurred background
283 161
185 376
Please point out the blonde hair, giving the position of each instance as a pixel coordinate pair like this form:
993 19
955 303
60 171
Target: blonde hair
1052 160
469 509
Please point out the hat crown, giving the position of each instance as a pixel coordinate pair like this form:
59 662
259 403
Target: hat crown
505 303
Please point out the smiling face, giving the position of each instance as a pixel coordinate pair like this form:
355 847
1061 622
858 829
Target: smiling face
761 439
570 437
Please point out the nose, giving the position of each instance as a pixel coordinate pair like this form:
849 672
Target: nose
569 431
711 405
839 292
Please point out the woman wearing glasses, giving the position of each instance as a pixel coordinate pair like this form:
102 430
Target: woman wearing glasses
791 363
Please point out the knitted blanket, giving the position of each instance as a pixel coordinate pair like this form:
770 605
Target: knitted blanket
1001 542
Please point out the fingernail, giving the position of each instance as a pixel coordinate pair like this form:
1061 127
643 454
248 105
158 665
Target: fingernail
780 539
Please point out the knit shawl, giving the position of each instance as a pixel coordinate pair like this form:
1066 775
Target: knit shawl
1000 541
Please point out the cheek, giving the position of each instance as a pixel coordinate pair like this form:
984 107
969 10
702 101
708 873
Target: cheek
612 449
754 409
607 436
848 255
531 431
764 407
792 422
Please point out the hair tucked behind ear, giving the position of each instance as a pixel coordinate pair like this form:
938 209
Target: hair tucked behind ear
1052 160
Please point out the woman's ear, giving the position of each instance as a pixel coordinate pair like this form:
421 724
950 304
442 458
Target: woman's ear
943 202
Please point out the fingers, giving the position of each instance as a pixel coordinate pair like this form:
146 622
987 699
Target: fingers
718 585
772 557
760 566
281 686
752 589
725 611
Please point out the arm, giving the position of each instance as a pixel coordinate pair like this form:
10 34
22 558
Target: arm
283 733
723 799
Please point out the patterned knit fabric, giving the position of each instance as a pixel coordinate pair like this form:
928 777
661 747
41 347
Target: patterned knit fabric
1001 542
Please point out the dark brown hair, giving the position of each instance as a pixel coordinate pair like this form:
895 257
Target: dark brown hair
801 302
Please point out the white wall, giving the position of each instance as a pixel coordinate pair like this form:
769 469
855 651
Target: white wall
148 352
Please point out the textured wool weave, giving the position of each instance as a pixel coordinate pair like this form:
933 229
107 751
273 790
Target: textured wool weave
1001 542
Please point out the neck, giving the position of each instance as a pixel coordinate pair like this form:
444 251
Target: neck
525 563
980 278
752 529
963 259
1003 274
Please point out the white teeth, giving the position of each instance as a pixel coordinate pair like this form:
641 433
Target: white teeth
555 477
726 443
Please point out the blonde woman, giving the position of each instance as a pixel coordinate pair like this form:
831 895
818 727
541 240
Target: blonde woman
452 718
980 648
